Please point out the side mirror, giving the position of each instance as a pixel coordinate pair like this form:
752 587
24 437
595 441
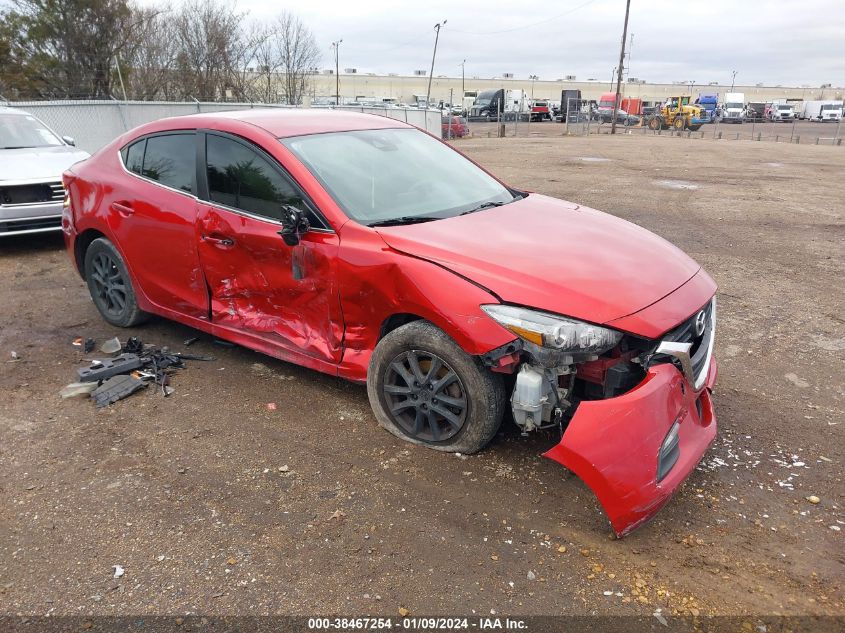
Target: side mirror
69 140
294 225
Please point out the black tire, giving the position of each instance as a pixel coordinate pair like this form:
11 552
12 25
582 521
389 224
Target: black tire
655 123
416 414
110 285
679 123
694 128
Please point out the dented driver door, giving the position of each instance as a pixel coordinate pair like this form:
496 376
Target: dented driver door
258 286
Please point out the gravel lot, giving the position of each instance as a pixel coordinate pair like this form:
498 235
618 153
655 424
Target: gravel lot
213 503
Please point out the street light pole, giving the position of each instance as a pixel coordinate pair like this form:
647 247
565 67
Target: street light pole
463 80
336 46
533 78
433 55
619 69
733 80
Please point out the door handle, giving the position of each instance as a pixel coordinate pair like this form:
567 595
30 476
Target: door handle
225 242
123 208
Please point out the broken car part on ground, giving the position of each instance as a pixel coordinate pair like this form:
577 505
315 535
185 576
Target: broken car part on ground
364 248
108 380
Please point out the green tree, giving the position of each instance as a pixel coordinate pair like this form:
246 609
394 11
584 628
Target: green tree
63 48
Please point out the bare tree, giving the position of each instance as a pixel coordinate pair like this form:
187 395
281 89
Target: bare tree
208 34
148 61
300 55
268 62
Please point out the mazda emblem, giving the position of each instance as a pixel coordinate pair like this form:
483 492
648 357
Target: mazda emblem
700 323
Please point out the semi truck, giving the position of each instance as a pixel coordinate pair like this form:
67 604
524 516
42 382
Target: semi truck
489 104
733 110
780 111
824 110
709 103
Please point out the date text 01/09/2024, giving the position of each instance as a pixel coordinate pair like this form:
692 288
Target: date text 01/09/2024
416 623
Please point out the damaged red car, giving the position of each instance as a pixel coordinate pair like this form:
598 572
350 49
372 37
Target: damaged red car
365 248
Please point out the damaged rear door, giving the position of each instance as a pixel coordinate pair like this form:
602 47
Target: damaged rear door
256 283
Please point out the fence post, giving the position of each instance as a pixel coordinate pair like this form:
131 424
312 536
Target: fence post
122 115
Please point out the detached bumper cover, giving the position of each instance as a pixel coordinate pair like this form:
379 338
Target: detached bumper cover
613 445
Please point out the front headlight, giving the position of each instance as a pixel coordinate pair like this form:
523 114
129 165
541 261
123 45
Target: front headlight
552 331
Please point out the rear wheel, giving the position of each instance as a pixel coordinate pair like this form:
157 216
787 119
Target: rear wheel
695 127
425 389
110 285
655 123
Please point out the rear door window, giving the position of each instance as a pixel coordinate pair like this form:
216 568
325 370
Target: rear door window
170 159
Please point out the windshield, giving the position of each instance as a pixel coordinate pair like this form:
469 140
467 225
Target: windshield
734 106
482 101
17 131
785 108
377 175
607 104
830 106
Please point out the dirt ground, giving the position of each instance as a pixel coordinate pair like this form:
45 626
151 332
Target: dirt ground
215 504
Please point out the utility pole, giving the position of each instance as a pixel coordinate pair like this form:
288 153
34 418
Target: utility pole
463 80
120 76
433 55
619 69
533 78
612 75
336 47
733 81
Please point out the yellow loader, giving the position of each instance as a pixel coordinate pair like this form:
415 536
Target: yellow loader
677 113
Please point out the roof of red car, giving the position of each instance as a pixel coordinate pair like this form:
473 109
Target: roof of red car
282 122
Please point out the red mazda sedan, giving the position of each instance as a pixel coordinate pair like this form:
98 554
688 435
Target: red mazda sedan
365 248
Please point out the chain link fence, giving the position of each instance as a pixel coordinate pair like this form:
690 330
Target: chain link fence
93 124
580 120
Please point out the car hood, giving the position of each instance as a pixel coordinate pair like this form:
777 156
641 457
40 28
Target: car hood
31 163
552 255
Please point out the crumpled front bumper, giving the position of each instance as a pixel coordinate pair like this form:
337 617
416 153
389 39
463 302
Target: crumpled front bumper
613 444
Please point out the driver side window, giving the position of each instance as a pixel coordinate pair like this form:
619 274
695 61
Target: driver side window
240 178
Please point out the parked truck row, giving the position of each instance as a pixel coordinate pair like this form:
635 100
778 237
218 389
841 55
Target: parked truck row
732 107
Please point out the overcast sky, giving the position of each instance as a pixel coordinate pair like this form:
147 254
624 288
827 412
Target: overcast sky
788 42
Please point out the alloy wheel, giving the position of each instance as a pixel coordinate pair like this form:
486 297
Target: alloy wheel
425 396
109 285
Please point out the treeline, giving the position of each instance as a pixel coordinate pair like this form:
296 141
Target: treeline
202 49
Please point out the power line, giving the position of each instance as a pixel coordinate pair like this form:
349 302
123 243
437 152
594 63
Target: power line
526 26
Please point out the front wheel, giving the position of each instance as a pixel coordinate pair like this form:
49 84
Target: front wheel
425 389
679 123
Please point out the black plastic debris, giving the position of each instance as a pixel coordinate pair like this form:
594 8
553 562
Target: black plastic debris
88 347
190 341
142 363
133 345
116 388
105 368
